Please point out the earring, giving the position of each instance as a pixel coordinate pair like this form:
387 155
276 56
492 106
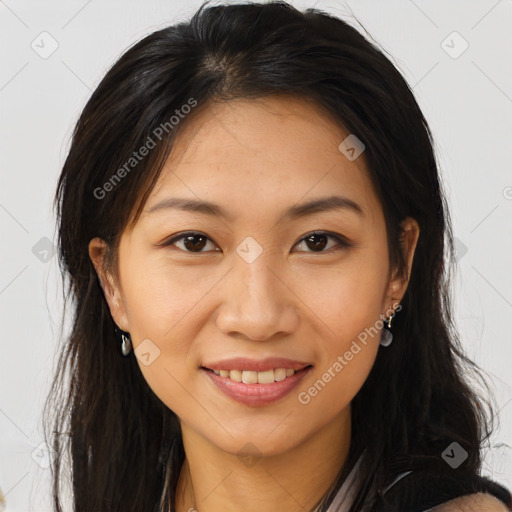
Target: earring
126 342
387 336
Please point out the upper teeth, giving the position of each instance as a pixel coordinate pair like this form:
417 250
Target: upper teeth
251 377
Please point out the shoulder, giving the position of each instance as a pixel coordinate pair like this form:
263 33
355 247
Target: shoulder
478 502
449 492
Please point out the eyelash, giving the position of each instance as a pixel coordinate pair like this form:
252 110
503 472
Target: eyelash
342 241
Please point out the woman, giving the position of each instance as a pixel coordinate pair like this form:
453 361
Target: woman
257 245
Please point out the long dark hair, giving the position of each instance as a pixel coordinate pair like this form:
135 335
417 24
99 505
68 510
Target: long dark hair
125 446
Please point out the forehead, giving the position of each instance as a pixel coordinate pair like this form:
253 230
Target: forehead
256 155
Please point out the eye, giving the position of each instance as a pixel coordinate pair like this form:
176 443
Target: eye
318 240
191 241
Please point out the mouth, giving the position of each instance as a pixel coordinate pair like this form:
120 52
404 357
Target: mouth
242 382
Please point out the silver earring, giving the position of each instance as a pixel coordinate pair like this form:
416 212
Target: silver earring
386 335
126 344
126 341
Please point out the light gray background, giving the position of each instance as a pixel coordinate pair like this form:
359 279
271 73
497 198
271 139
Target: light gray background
467 101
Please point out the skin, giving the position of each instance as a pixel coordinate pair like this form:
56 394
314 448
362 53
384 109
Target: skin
256 159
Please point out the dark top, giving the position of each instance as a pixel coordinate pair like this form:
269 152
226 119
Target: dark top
420 491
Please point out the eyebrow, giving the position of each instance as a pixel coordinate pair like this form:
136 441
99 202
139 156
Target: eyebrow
297 211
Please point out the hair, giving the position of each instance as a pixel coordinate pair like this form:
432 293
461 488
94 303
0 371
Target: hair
124 444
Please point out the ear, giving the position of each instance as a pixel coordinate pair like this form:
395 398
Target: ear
110 286
400 280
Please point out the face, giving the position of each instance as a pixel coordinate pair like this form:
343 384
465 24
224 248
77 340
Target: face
286 269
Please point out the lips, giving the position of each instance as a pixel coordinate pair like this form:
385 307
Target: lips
256 382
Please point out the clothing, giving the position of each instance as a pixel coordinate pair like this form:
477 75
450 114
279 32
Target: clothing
423 490
345 496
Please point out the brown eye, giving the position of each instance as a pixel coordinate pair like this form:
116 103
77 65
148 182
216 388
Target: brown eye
190 242
194 242
318 241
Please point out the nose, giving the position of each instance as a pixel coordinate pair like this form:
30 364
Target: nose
257 302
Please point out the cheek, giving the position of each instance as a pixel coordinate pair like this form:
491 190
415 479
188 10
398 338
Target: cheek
347 302
347 298
161 297
350 308
162 304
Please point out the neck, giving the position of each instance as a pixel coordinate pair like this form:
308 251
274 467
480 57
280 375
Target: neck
213 480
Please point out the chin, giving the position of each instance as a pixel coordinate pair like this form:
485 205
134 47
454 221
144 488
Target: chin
268 440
